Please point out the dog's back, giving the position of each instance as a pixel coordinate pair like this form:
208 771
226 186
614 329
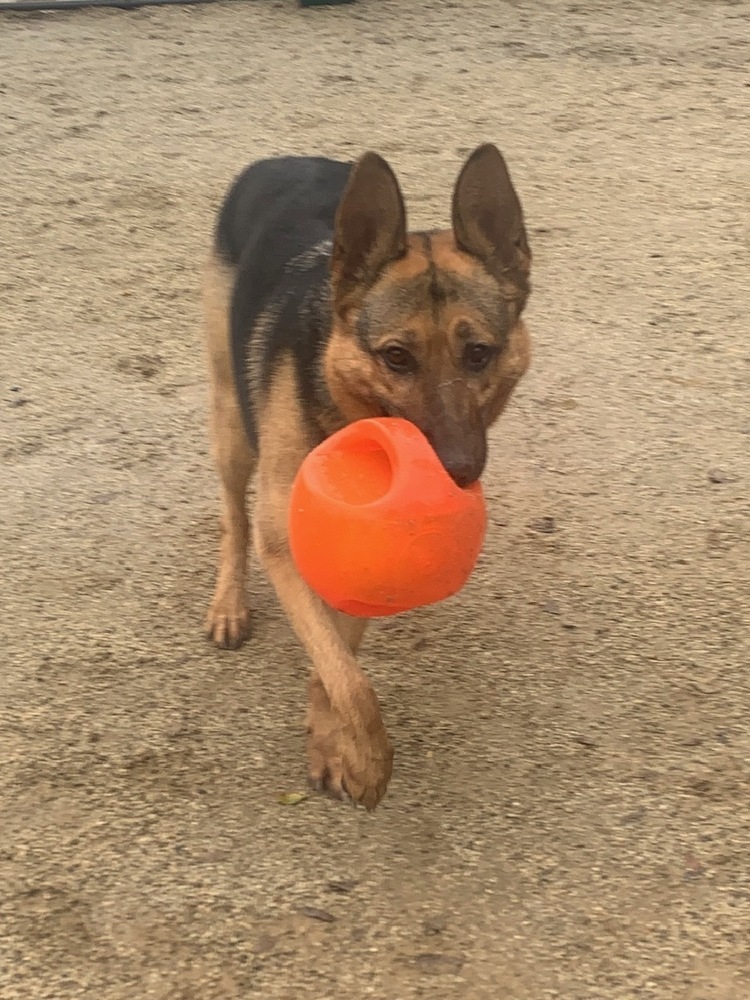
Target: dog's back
279 208
275 233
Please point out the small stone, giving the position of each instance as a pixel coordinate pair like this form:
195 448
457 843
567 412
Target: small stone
718 476
264 944
342 885
544 525
213 857
104 498
315 914
636 816
692 741
438 964
700 786
585 741
551 607
693 868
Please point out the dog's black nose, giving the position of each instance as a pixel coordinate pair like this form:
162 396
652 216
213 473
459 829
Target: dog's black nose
463 473
463 468
462 454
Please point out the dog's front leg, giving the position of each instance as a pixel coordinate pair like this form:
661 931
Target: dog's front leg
350 753
323 723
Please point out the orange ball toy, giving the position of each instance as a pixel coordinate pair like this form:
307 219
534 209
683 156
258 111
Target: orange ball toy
376 524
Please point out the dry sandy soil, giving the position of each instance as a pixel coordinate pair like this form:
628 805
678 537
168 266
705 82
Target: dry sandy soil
570 813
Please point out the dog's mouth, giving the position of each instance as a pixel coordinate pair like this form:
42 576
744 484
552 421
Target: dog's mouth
463 465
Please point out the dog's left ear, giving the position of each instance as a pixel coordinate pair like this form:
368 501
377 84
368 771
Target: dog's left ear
487 215
370 229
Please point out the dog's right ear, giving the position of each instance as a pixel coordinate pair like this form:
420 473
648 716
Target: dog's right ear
370 230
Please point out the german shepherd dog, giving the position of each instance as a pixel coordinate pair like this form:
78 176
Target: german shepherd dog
321 309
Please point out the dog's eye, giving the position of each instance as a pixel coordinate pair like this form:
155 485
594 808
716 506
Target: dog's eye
477 356
398 359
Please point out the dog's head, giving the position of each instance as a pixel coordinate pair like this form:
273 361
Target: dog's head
427 326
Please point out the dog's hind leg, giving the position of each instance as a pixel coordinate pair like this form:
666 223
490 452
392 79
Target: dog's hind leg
228 616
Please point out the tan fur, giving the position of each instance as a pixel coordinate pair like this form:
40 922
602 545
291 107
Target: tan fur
228 615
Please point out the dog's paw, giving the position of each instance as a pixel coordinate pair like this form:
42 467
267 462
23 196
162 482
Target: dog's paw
228 619
325 766
352 762
366 762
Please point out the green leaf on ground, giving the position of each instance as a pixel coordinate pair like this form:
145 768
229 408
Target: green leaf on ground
292 798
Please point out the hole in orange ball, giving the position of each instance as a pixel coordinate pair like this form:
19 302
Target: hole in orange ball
358 473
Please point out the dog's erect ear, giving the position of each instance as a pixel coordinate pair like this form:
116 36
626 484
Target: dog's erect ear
370 229
487 215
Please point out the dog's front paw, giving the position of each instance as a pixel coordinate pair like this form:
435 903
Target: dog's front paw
366 751
352 761
325 765
228 619
366 765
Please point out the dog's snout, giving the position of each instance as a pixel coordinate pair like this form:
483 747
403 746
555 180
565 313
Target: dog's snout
463 473
463 462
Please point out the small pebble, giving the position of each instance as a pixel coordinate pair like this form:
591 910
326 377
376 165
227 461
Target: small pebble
636 816
544 525
315 914
438 964
342 885
585 741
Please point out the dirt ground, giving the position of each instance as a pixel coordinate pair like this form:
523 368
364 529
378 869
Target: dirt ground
570 812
